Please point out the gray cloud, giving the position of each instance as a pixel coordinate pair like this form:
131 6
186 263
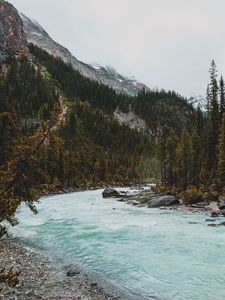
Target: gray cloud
168 44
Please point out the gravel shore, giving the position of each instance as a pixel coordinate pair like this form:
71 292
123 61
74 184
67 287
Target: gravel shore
43 278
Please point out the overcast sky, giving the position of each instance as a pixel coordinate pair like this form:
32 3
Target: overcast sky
164 43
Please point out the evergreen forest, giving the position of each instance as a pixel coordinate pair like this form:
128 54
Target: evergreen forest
57 131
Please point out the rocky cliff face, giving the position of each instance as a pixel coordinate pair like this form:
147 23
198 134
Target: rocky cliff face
107 76
12 37
16 30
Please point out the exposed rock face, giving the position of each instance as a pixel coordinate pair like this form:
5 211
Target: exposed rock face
132 120
16 30
107 76
12 37
163 201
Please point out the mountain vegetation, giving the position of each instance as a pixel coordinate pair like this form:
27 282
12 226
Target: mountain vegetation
196 158
57 131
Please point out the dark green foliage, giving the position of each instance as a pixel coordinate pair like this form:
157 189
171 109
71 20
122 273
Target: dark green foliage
75 85
157 108
161 108
25 89
222 98
220 174
200 153
57 130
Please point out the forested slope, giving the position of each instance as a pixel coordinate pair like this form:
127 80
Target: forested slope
57 130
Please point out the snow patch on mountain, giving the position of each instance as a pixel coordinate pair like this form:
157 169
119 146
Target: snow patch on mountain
106 75
198 101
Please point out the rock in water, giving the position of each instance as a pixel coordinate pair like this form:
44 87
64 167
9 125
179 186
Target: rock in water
221 203
217 225
163 201
110 193
215 214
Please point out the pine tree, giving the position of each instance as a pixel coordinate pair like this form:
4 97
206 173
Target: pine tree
213 120
213 86
162 152
184 160
196 148
222 98
199 122
171 143
208 99
220 173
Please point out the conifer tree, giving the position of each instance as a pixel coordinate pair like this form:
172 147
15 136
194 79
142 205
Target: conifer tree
208 99
171 144
196 149
222 98
199 122
213 120
184 160
213 86
162 152
220 173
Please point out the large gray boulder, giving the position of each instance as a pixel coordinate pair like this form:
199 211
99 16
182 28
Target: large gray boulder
163 201
110 193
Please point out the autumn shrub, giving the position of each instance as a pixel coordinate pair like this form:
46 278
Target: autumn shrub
191 196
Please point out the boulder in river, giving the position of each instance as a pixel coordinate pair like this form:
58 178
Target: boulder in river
221 203
163 201
111 193
215 214
217 225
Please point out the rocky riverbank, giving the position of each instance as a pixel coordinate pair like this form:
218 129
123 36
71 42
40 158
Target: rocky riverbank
45 278
147 197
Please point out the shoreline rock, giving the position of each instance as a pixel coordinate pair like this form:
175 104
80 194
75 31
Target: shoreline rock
111 193
167 200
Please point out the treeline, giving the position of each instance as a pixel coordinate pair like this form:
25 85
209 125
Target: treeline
57 131
197 157
24 88
50 143
157 108
161 108
91 147
74 85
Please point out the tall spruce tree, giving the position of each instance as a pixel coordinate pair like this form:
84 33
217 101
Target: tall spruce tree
184 160
196 151
222 98
220 173
213 120
208 99
171 143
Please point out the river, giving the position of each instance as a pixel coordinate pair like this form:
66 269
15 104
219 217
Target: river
151 253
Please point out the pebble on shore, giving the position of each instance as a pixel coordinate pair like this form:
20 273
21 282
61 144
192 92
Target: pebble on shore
43 278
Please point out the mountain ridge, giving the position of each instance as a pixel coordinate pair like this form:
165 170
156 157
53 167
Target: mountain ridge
106 75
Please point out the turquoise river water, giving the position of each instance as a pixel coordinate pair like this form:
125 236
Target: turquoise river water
152 253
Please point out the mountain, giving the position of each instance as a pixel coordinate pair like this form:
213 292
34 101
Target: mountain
99 136
198 101
108 76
